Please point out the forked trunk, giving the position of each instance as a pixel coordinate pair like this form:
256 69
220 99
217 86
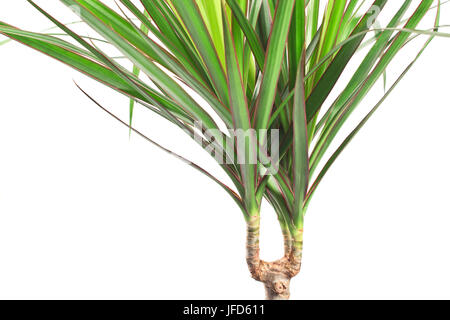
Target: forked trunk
276 276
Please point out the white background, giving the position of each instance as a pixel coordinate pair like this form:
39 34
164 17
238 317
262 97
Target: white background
87 213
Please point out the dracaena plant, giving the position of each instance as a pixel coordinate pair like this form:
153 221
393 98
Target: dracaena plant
265 68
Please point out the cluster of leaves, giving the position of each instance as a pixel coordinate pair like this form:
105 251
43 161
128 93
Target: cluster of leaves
258 64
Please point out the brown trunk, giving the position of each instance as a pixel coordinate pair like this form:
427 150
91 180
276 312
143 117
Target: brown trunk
275 276
277 287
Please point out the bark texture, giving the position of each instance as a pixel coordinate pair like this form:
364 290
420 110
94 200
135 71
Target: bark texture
275 276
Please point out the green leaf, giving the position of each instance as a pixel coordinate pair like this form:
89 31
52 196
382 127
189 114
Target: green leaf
136 72
296 40
300 146
196 26
158 76
190 80
180 47
272 67
212 15
330 27
334 71
241 118
82 61
312 20
252 38
358 95
370 59
350 137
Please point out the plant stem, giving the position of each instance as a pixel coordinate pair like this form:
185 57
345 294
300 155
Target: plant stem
275 276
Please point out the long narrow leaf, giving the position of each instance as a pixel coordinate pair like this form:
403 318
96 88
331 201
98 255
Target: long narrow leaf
241 118
274 59
300 145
